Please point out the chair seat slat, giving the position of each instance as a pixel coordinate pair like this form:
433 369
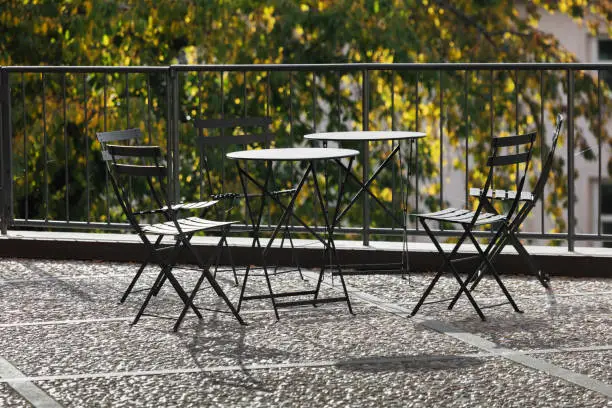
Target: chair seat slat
191 224
194 206
461 216
502 194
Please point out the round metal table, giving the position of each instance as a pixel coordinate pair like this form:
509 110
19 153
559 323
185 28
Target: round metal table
367 136
293 154
366 180
309 155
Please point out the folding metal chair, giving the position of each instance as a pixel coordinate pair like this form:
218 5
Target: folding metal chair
521 146
134 136
527 200
216 137
129 164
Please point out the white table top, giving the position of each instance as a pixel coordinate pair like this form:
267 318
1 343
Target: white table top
293 154
360 135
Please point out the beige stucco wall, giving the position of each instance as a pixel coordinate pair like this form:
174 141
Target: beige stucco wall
577 40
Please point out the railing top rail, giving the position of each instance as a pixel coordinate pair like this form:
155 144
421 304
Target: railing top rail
84 68
395 66
319 67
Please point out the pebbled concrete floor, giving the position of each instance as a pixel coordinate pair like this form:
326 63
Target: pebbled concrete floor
66 341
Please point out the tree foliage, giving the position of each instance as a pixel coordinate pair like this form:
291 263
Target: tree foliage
156 33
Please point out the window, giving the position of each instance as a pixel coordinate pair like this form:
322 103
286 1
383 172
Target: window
604 54
605 49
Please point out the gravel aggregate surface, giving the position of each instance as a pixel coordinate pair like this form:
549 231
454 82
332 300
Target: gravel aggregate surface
595 364
10 398
464 382
62 325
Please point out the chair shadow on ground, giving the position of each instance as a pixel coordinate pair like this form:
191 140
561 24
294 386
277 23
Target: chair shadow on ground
545 325
408 363
228 340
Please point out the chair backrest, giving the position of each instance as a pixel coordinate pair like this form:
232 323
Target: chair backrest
126 161
254 130
216 137
508 151
548 162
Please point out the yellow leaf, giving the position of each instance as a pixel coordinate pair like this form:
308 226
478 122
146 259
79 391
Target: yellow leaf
386 194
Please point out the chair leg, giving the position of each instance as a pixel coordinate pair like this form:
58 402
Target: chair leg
231 259
140 270
213 283
177 287
294 256
159 285
242 289
427 291
487 264
491 268
467 293
218 261
533 267
474 278
182 293
446 262
166 273
197 286
133 282
493 249
147 299
334 261
265 269
189 301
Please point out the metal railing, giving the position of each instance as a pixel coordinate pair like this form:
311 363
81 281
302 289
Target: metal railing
51 178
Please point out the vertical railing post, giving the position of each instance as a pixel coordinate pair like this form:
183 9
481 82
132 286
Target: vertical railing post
365 101
172 134
6 185
169 127
571 224
175 135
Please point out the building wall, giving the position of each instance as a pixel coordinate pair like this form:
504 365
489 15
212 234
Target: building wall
577 40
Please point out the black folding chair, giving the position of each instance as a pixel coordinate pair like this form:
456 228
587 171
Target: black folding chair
134 136
528 201
127 166
520 154
216 137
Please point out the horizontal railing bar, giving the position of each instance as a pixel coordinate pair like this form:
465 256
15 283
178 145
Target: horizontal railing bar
84 68
321 67
354 230
396 66
71 224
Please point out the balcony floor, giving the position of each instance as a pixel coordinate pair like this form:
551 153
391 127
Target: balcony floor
66 341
